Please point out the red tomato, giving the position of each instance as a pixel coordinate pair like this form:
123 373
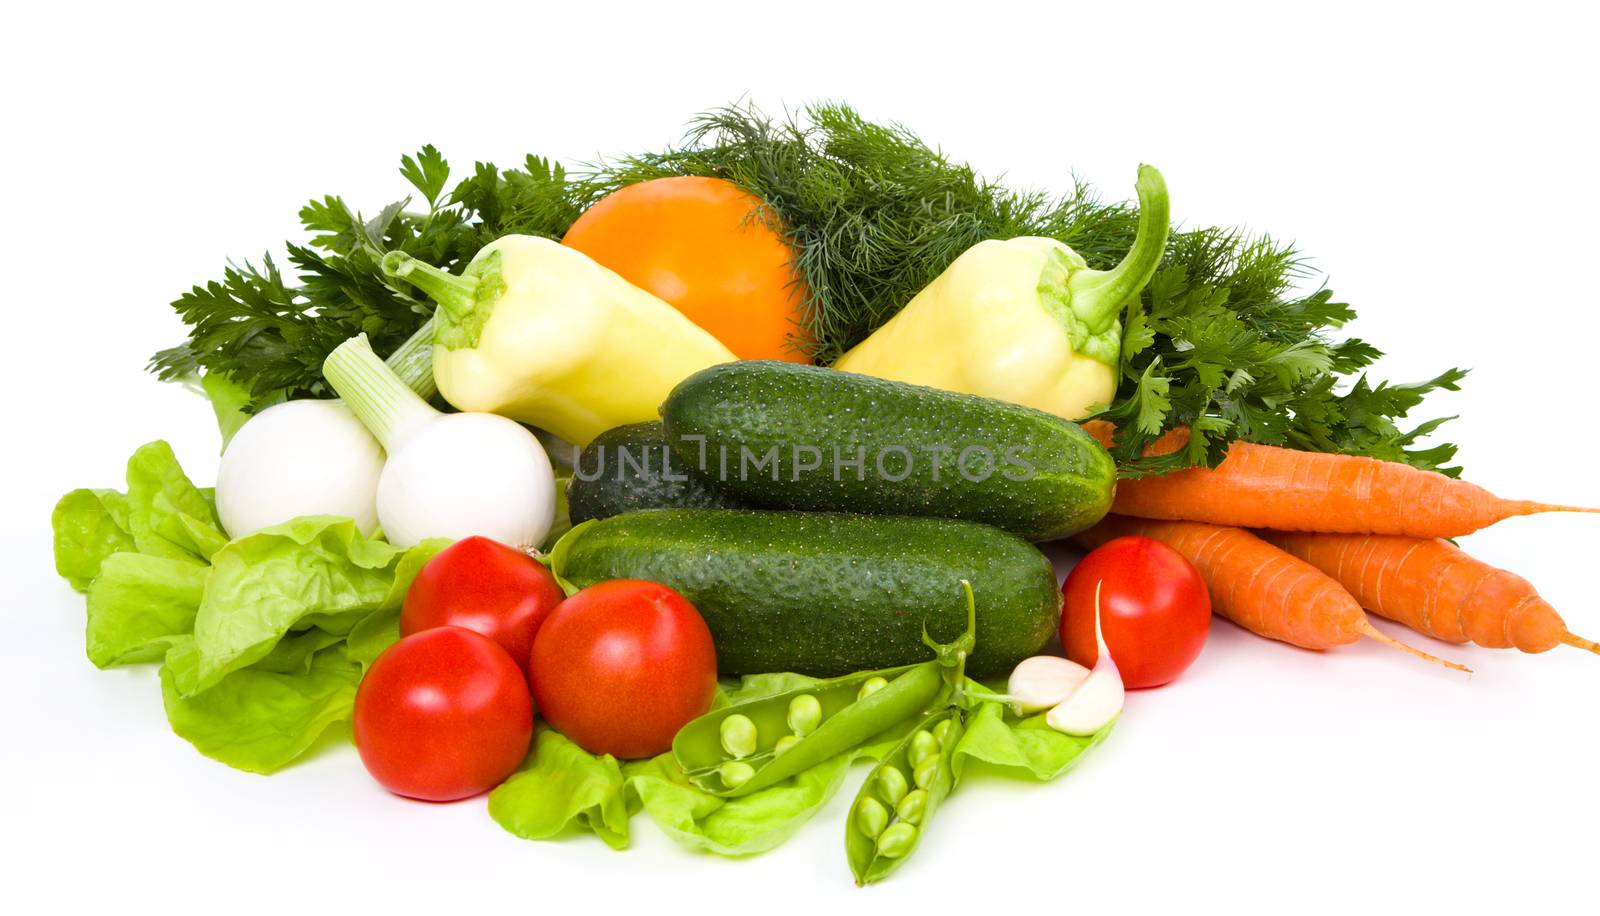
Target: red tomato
621 666
1155 610
700 244
442 715
483 586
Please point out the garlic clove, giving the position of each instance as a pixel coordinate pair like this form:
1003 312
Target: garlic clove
1092 706
1043 682
1099 699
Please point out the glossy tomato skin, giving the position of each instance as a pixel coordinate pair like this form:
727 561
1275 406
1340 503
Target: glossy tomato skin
484 586
443 714
1155 610
700 244
621 666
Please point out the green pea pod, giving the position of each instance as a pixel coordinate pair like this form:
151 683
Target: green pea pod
873 856
829 718
844 723
917 774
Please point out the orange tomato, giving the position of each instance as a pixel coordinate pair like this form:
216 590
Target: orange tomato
696 243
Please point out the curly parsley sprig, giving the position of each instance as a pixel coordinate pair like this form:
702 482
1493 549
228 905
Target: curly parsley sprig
271 335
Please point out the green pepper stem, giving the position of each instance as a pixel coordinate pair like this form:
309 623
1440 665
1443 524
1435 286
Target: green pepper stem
456 295
1098 295
412 361
380 400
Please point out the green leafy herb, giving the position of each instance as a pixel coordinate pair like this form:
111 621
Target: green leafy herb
1219 344
270 334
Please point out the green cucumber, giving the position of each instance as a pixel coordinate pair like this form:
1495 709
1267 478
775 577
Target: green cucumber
786 436
827 593
630 468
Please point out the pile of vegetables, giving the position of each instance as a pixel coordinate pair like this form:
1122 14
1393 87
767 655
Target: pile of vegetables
1222 342
826 391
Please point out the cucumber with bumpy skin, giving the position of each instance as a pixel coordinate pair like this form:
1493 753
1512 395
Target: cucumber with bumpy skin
630 468
828 593
786 436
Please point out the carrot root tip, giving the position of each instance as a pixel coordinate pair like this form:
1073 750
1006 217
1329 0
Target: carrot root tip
1528 507
1367 629
1579 642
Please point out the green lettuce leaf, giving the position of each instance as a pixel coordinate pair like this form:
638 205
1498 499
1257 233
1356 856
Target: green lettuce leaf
374 633
381 629
296 653
563 787
259 715
229 401
1022 746
89 526
756 686
253 631
162 515
734 827
258 719
168 515
271 700
139 606
563 518
318 571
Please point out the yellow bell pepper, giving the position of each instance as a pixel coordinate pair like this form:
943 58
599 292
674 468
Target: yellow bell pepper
1022 320
540 333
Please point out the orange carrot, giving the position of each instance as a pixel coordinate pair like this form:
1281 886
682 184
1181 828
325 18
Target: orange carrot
1168 442
1261 486
1433 587
1258 586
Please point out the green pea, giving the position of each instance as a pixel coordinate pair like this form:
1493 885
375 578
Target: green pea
892 784
897 841
871 686
805 714
738 736
912 807
736 773
923 746
871 817
784 743
925 771
941 731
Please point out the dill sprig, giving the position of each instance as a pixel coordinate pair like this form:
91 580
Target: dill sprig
874 213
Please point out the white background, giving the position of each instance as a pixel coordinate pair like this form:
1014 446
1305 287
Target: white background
1435 163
